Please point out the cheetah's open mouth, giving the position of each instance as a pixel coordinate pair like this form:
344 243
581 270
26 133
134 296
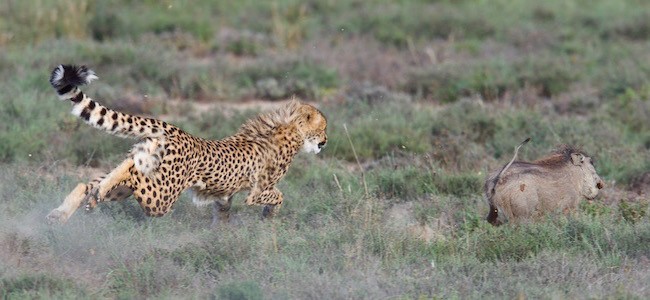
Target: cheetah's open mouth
312 146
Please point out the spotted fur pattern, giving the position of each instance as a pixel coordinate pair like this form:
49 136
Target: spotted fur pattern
168 160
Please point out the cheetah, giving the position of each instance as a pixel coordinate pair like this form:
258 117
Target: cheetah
167 160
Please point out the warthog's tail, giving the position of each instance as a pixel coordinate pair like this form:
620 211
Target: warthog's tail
491 184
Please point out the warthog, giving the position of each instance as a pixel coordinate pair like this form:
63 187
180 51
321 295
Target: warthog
524 190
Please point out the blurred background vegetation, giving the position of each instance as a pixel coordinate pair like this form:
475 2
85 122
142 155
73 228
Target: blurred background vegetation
433 94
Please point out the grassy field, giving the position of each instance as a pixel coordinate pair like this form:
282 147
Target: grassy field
432 95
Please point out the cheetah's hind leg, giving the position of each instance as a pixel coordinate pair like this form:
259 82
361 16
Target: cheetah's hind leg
81 194
69 205
111 187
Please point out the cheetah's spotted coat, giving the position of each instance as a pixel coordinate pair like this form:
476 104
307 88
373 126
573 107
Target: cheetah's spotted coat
168 160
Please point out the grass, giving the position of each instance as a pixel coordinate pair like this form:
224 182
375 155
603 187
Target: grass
432 94
317 255
285 79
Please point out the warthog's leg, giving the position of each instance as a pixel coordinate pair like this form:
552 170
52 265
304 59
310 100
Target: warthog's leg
493 216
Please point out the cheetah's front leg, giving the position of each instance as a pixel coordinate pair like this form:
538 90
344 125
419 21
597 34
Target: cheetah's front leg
271 198
271 210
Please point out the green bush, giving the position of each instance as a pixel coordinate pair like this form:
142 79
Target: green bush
246 290
492 79
39 286
459 184
635 28
519 243
283 80
199 258
145 276
375 133
595 209
398 25
633 212
550 76
407 183
110 22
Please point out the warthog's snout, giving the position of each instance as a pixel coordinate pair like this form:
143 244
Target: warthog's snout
600 185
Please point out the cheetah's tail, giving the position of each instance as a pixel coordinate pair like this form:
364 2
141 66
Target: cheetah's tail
66 80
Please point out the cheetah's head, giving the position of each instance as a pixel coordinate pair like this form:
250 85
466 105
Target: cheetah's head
312 125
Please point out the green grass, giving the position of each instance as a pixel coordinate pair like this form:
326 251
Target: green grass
39 285
464 82
298 255
284 79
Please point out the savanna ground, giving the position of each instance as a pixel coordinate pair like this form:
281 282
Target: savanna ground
433 94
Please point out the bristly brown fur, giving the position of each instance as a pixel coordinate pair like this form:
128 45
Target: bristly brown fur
519 196
265 124
560 157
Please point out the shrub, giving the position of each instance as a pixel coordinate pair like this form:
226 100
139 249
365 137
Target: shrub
492 79
145 276
550 76
246 290
403 183
449 83
37 286
391 128
199 258
111 22
283 80
517 243
635 28
459 184
595 209
633 212
39 20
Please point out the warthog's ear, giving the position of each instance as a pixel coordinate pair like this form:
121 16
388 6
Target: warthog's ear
577 158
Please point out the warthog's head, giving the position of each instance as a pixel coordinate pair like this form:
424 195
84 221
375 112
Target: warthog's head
591 182
580 165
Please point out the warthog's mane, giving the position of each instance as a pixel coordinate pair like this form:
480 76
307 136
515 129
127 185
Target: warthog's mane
560 157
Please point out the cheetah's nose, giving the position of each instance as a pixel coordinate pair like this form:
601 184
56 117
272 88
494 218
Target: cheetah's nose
321 145
600 185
